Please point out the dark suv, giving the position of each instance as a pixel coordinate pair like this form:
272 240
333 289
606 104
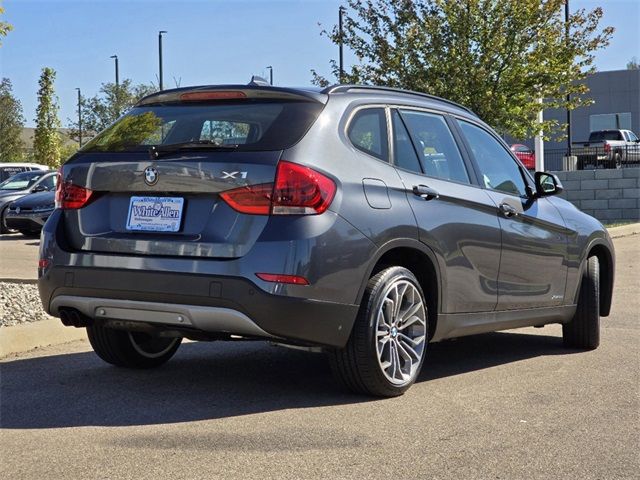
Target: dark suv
367 221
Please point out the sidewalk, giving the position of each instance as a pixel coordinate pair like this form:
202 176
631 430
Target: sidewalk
28 336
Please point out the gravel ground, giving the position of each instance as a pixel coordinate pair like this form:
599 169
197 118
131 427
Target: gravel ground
20 303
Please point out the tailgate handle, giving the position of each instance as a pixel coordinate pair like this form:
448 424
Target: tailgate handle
425 192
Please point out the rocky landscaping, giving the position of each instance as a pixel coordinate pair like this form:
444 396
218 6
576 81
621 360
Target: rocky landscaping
20 303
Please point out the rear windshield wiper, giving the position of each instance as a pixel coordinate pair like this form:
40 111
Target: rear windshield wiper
158 151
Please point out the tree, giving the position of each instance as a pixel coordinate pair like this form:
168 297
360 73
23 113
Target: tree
5 27
11 124
46 142
497 57
102 110
633 64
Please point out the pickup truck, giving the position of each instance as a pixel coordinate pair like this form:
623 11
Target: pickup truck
607 149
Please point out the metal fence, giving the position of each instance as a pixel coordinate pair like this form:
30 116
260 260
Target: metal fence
592 158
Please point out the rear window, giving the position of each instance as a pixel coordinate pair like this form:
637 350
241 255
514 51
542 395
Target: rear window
8 172
251 125
605 135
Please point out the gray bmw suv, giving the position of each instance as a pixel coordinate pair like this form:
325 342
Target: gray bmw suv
366 221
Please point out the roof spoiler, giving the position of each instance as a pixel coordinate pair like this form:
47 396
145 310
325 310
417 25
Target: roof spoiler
257 89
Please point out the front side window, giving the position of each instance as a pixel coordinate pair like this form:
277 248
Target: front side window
48 182
435 145
368 132
632 136
498 169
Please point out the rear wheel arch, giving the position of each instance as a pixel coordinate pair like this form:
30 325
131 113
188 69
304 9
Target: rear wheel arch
606 268
421 261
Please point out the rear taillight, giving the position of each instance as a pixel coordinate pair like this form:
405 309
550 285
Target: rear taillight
253 199
297 190
70 196
607 147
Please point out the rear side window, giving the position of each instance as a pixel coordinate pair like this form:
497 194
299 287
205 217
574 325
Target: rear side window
368 132
249 124
436 147
403 152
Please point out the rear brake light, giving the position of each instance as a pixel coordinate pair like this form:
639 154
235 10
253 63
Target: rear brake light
70 196
223 95
297 190
278 278
607 147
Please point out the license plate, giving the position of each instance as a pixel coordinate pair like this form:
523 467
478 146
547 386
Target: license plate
155 214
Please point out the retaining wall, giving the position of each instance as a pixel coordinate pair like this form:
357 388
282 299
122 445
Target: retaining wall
608 195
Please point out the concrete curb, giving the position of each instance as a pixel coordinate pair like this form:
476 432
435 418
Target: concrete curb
624 230
28 336
29 281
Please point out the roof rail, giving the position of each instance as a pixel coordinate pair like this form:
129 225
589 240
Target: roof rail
345 88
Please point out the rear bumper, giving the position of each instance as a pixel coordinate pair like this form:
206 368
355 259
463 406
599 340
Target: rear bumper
208 304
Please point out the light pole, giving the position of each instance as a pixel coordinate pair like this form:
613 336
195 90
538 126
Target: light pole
270 68
79 118
115 57
341 61
160 58
566 26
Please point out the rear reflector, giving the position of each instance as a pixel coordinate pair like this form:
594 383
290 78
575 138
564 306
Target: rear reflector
43 263
278 278
220 95
70 196
297 190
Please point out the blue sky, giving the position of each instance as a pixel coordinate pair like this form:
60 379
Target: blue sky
208 42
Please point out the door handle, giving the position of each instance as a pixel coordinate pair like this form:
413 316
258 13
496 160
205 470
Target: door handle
425 192
508 210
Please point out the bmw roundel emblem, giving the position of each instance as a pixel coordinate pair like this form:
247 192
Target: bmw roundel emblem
150 176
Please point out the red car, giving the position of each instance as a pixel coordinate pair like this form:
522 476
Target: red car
526 155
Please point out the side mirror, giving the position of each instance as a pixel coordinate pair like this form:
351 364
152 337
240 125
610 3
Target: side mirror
547 184
39 188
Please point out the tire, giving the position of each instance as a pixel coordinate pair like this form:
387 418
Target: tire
617 161
3 221
131 349
583 331
359 365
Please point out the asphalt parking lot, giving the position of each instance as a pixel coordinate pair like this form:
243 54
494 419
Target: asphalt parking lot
19 257
510 405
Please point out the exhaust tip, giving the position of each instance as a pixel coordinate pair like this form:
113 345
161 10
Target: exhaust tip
71 317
